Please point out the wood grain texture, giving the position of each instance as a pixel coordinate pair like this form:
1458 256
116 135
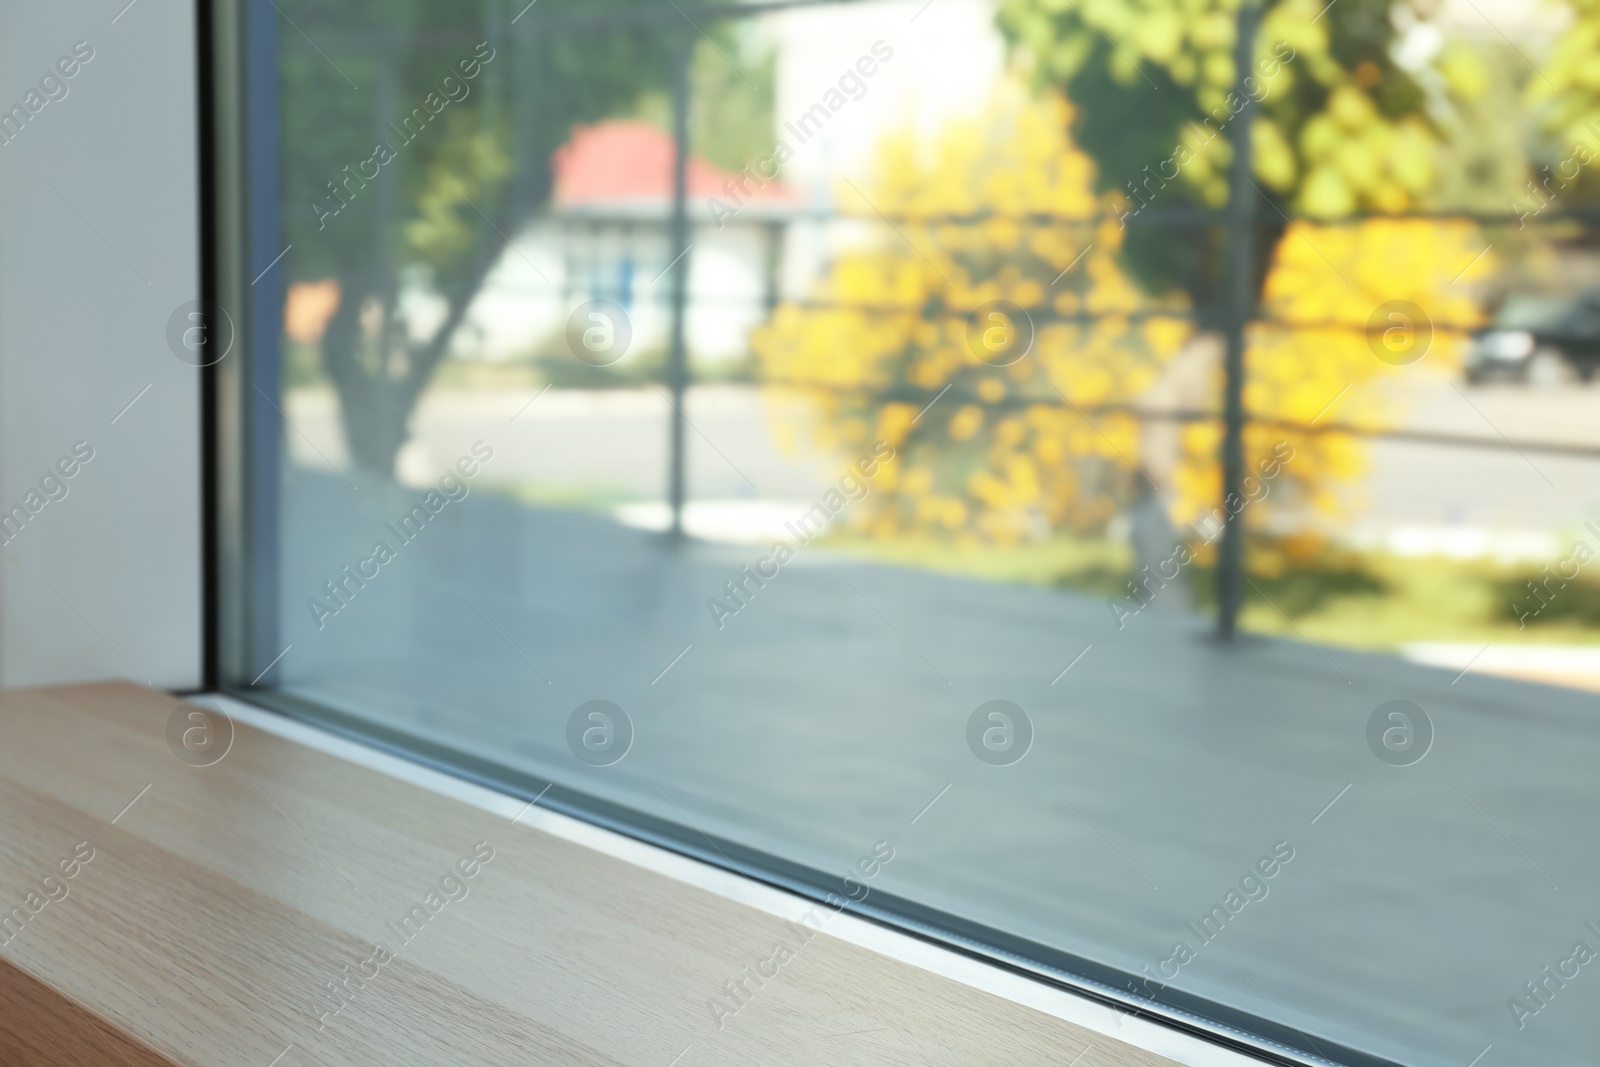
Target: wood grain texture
216 908
42 1027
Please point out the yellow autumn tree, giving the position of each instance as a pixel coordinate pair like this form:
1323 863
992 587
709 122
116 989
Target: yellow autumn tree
997 208
1322 356
892 344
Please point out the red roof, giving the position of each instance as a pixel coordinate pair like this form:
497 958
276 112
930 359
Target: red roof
624 159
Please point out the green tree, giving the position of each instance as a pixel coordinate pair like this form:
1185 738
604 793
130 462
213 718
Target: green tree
731 104
1564 94
1338 124
382 204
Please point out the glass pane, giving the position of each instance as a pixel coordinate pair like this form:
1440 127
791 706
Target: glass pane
809 428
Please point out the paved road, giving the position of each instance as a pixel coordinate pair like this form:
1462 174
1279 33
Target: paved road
612 445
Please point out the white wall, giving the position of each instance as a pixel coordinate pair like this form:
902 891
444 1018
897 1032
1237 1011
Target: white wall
90 270
529 295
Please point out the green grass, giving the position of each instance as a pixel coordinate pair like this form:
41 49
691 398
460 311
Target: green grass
1371 600
1428 599
1090 565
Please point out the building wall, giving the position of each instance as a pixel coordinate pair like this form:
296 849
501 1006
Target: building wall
98 224
552 269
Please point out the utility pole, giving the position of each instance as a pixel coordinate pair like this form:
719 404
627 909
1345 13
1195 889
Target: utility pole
1240 290
678 245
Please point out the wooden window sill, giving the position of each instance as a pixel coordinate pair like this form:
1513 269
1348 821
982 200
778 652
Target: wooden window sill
216 908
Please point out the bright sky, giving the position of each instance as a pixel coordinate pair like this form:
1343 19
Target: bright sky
946 55
1521 20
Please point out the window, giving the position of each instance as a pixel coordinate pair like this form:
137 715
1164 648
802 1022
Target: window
898 450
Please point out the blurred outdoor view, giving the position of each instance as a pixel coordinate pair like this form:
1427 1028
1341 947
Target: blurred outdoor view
838 254
939 296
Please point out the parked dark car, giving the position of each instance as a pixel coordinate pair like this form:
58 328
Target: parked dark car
1541 340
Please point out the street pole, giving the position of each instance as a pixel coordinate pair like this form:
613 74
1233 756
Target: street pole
678 245
1240 300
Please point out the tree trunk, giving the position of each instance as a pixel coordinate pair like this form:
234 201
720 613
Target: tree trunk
375 426
380 373
374 379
